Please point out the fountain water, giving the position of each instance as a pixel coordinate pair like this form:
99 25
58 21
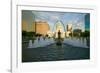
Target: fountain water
30 44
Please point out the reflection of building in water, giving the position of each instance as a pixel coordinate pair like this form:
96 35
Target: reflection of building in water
69 30
41 27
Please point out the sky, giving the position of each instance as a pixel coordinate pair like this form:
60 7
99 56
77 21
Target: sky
76 19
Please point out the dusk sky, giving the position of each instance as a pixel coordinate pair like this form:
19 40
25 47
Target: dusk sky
76 19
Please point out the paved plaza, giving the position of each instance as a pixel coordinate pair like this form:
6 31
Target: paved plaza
47 50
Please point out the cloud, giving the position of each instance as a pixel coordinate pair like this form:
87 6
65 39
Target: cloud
77 19
54 17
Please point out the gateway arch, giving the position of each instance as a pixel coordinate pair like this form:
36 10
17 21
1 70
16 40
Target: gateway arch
59 26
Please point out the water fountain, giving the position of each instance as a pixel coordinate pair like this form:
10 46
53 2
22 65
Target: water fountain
30 44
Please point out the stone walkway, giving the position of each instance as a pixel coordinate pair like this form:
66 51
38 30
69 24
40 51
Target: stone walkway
55 53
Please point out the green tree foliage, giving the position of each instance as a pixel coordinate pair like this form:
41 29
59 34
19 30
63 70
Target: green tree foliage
28 34
86 33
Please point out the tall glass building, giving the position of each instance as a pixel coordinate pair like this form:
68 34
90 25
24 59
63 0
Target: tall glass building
87 21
